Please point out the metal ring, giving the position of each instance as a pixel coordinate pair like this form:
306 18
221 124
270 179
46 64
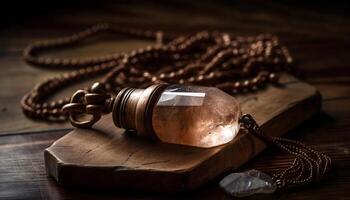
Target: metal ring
76 107
95 109
77 96
94 98
73 107
84 124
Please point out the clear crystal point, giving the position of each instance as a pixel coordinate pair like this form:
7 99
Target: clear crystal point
196 116
247 183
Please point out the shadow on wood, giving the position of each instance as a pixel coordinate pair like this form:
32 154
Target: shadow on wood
107 157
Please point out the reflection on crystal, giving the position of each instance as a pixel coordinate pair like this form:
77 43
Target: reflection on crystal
170 98
196 116
248 183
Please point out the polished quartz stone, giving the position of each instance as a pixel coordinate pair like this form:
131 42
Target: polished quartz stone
247 183
196 116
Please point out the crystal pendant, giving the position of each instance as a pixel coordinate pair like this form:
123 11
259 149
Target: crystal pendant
196 116
248 183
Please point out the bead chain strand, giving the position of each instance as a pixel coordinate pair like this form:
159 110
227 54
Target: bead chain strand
234 65
238 64
308 166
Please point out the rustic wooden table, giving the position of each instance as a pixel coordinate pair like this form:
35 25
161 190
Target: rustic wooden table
316 36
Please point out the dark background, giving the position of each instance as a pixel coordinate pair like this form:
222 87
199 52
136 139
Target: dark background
19 10
316 32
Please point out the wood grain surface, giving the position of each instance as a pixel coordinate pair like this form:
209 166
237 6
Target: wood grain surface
316 35
106 157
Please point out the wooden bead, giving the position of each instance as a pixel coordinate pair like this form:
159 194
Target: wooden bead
182 60
273 78
98 87
237 85
246 84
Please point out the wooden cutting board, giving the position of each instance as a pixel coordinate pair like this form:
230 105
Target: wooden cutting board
107 157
